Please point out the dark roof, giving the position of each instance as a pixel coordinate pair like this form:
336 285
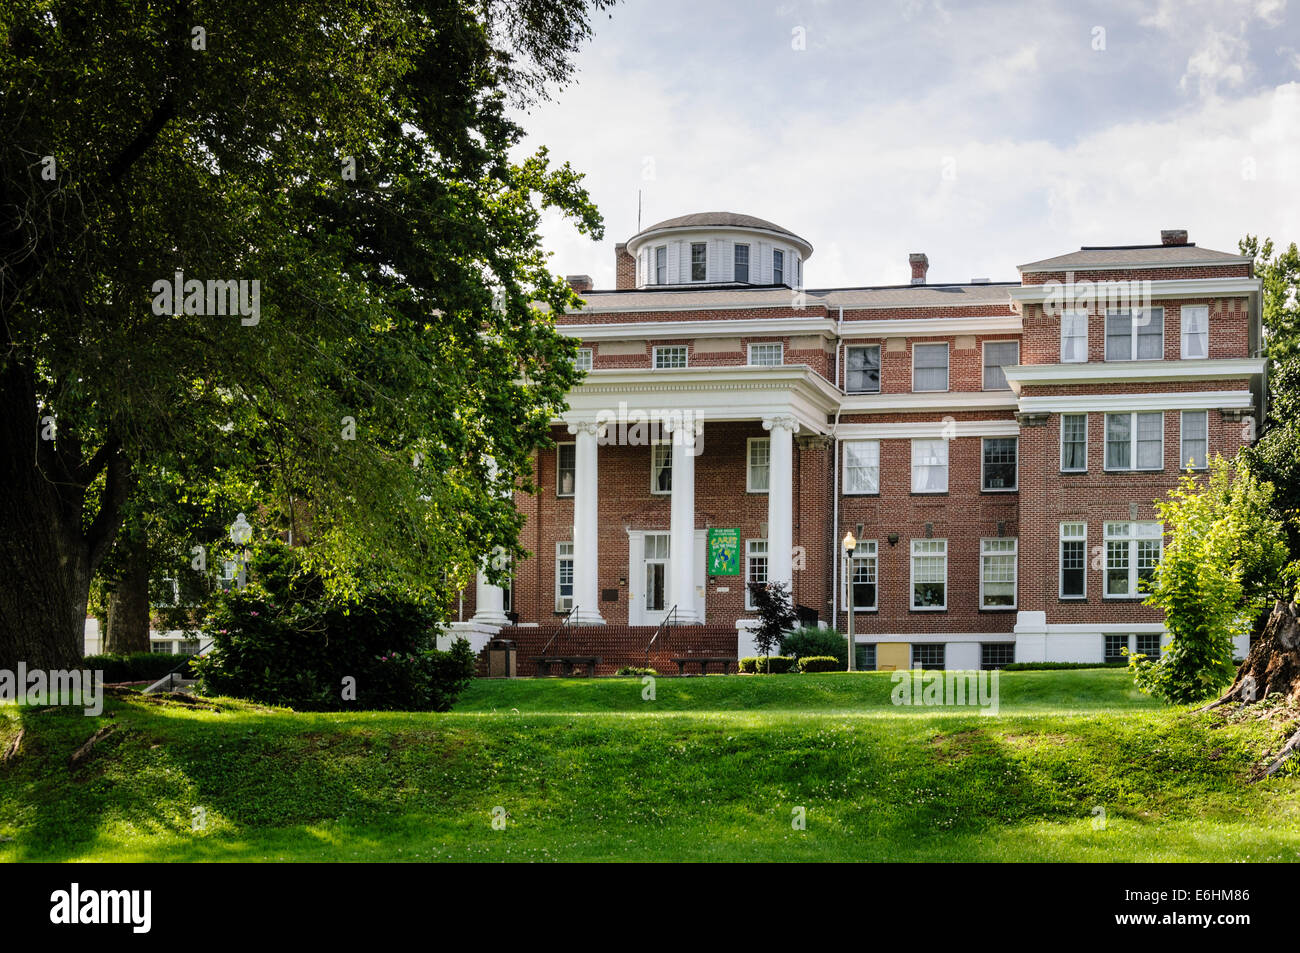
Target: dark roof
1134 255
725 219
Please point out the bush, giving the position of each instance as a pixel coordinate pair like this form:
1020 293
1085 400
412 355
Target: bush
774 664
284 640
138 666
821 663
632 670
814 641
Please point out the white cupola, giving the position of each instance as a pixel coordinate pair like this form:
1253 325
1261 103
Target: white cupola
717 248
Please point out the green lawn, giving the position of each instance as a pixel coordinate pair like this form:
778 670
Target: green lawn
710 769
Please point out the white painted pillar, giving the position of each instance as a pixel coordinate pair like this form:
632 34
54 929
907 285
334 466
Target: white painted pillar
682 555
489 602
586 586
780 500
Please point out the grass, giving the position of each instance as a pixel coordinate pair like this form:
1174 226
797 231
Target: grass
711 769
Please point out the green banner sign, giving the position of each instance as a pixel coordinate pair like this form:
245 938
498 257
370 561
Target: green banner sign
724 552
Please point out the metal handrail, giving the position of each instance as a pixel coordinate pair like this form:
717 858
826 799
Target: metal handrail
563 625
168 676
667 621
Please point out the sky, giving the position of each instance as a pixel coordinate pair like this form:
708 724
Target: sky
985 134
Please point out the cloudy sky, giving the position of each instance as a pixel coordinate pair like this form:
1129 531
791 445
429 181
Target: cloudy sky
986 134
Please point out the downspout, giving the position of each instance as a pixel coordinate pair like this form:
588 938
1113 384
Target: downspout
835 485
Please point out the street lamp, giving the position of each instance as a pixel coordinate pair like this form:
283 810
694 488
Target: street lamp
850 544
240 533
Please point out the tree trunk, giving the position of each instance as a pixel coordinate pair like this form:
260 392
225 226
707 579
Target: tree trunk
1273 665
128 606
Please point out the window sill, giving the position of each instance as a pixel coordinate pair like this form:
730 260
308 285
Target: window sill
1134 470
997 609
1060 598
929 610
1072 472
1122 598
1014 489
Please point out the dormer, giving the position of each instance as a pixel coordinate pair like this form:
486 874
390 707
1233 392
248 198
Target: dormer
714 249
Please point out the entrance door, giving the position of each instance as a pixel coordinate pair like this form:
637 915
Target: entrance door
651 571
655 573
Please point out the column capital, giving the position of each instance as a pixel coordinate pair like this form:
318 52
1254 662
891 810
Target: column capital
591 427
782 421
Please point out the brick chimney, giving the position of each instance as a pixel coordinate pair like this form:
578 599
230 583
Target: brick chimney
579 283
624 268
1173 236
920 265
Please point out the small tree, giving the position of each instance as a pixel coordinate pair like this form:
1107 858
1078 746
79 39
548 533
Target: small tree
1225 556
776 615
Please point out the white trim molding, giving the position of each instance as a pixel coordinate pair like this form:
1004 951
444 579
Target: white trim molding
931 327
1160 288
939 401
1119 403
929 430
1108 372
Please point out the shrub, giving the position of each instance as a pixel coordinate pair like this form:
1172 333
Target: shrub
820 663
748 665
284 640
773 664
632 670
815 641
1058 666
138 666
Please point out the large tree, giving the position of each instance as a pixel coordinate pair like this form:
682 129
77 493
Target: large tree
396 363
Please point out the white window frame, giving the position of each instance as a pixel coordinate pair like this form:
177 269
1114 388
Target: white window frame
778 266
984 364
584 359
749 464
661 458
874 445
917 444
704 262
752 547
664 349
1071 320
911 587
660 279
560 558
1135 533
868 552
879 368
735 262
1182 437
780 353
947 369
1204 311
1064 468
1133 331
1015 570
559 469
1073 537
983 477
1133 441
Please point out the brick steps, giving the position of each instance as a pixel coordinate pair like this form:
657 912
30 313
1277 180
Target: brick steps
617 645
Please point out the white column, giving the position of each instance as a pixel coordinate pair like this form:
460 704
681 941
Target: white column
489 602
682 527
780 500
586 586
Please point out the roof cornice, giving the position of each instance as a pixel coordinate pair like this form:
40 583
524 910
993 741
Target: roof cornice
1113 372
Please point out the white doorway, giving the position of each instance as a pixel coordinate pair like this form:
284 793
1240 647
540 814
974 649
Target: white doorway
651 595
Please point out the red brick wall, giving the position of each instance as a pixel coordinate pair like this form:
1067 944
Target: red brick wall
1229 331
617 646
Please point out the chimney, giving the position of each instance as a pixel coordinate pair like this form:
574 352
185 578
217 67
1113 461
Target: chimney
624 268
920 265
579 283
1173 236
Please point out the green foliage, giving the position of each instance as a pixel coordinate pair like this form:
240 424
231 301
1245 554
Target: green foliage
1224 555
285 639
767 664
632 670
821 663
776 615
810 640
138 666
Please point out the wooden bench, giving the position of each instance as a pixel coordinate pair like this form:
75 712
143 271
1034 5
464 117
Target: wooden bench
568 664
704 660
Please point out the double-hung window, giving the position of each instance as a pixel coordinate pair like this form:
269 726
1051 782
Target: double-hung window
999 355
929 574
1132 552
566 468
862 369
758 464
699 261
1194 332
767 355
1074 561
742 262
864 576
778 267
1074 443
755 567
1074 337
563 577
1135 441
861 466
670 357
661 468
929 367
1194 440
582 360
997 574
930 466
999 464
661 265
1135 334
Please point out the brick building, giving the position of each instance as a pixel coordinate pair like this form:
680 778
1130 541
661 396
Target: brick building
995 448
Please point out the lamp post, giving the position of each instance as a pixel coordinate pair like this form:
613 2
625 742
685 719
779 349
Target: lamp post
240 533
850 544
